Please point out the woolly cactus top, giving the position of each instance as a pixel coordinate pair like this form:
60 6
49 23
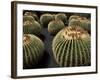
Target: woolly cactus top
31 14
31 27
71 47
54 23
27 13
55 26
73 17
45 19
28 17
70 33
84 19
27 23
62 17
26 39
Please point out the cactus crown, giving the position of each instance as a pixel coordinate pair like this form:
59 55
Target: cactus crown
28 17
56 21
74 33
27 23
27 13
73 17
62 17
26 39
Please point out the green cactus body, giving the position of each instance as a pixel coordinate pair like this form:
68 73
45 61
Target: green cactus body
86 24
74 22
31 27
82 22
71 47
32 14
45 19
33 49
55 26
73 17
28 17
62 17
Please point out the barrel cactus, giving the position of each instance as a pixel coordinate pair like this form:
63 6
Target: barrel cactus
31 27
86 24
71 47
73 17
62 17
28 17
33 49
55 26
82 22
45 19
74 22
32 14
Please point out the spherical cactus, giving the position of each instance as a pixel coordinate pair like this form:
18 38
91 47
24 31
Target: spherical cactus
33 49
45 19
71 47
32 14
31 27
62 17
28 17
73 17
55 26
82 22
86 24
74 22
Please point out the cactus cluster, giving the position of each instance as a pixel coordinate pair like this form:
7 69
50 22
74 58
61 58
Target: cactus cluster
71 47
71 39
32 50
33 47
54 22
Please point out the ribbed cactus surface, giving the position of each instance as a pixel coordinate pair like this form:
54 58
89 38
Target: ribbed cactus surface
33 49
62 17
82 22
73 17
71 47
32 14
86 24
55 26
31 27
45 19
74 22
28 17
